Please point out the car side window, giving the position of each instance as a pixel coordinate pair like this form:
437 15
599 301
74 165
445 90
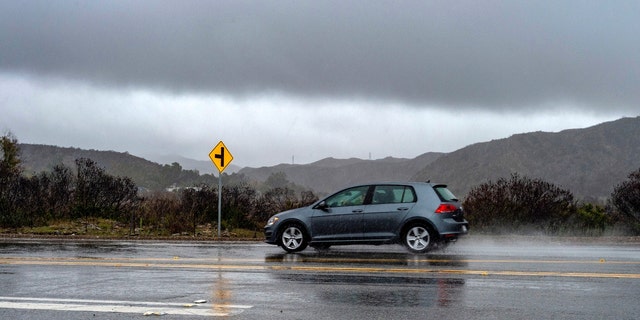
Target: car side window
408 195
393 194
349 197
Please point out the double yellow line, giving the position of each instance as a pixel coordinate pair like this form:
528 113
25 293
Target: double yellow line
223 265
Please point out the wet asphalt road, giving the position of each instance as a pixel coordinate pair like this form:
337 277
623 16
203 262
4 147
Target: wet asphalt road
476 278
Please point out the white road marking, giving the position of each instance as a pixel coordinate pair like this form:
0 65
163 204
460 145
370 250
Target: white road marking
140 307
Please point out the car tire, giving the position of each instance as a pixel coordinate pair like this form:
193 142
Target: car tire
418 238
293 238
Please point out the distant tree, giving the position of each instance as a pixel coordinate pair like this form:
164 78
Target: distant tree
517 203
121 200
626 196
277 180
197 204
172 172
238 202
159 211
26 204
58 196
10 157
591 219
278 200
87 188
10 175
44 196
307 198
98 194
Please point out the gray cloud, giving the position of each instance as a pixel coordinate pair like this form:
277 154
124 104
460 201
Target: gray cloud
258 131
511 55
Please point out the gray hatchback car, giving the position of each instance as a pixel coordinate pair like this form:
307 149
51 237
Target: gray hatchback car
415 214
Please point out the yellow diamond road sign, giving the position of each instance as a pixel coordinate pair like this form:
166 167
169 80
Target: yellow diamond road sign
220 156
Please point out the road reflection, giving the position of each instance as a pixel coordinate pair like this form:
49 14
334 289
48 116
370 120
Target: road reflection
221 295
370 258
367 290
375 288
67 248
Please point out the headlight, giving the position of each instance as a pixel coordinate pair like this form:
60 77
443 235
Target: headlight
272 220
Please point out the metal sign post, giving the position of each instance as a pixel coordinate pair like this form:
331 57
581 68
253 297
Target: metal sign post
219 202
221 157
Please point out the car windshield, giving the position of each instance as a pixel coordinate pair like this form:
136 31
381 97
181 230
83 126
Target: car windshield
445 194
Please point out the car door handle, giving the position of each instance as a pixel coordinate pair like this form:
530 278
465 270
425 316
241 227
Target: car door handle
403 209
357 211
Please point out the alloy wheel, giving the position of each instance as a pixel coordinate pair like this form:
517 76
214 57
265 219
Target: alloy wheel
418 238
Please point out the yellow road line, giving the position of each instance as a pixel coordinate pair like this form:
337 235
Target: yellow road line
124 263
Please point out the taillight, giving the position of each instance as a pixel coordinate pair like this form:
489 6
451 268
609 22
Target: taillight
446 208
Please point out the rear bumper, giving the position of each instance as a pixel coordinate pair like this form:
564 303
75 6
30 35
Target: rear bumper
452 228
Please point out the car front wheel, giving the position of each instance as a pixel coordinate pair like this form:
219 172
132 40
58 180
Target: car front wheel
418 238
293 238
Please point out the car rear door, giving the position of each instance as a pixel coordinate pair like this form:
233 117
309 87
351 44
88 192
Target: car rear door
388 207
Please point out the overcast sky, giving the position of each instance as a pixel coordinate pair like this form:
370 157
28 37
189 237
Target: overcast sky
282 81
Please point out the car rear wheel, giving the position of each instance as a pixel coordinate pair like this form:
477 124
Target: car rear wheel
293 238
418 238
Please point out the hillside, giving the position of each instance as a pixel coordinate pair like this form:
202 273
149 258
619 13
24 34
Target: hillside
37 158
589 162
202 166
329 174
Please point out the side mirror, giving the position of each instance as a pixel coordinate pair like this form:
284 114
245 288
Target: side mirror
322 206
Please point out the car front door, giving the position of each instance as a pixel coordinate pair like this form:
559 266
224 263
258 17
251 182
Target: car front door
339 217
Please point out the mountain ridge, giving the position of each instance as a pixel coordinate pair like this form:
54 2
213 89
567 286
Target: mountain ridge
589 162
329 174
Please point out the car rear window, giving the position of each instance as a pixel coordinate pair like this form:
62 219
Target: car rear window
445 194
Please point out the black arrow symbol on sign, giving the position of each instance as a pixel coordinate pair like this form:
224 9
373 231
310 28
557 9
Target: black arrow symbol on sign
220 156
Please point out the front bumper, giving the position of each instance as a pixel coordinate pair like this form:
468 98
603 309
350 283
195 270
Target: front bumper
270 236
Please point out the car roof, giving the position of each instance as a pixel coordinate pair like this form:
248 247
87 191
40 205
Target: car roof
391 183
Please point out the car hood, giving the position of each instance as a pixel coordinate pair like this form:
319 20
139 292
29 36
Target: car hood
292 211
